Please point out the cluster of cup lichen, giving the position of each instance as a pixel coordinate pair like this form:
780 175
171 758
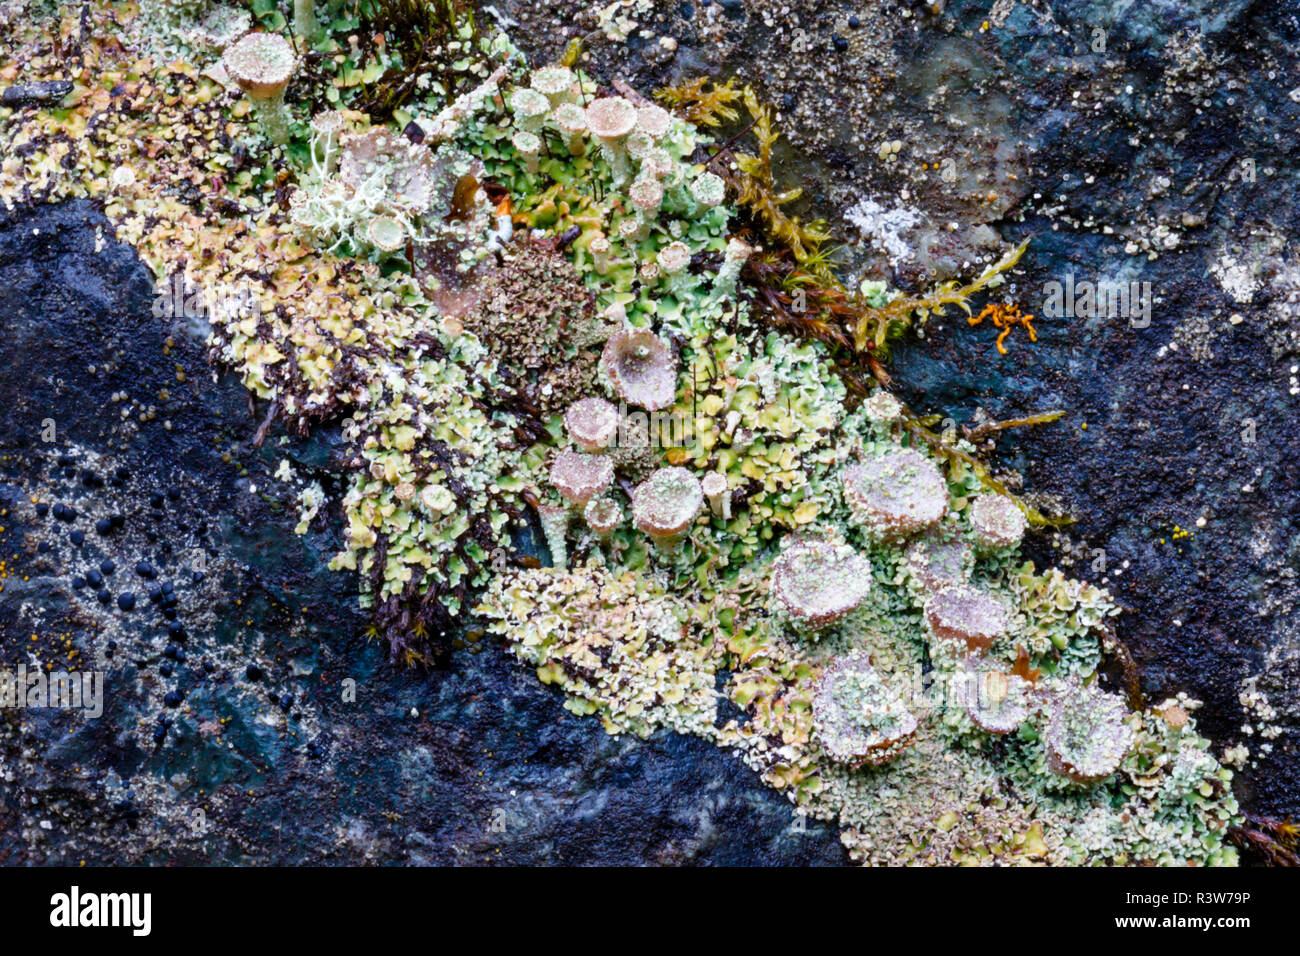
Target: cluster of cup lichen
648 616
958 764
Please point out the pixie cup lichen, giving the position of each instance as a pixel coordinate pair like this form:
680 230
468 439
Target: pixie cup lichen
966 616
530 109
816 583
708 190
896 494
997 702
556 83
996 522
263 64
641 367
529 146
859 719
936 561
579 477
718 494
1087 734
665 505
611 119
603 516
654 121
571 120
591 423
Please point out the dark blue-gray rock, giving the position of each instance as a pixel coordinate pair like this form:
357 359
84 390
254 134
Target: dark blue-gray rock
41 93
242 748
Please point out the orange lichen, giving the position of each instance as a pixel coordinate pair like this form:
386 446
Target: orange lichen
1005 317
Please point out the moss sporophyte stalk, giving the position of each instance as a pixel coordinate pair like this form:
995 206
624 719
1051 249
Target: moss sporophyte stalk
486 276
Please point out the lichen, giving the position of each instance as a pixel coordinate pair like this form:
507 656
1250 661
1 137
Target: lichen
442 290
613 642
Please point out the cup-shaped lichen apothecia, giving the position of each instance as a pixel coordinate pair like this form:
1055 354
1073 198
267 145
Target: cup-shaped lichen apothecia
896 494
1088 734
966 616
263 64
592 423
641 367
610 120
816 583
579 477
996 522
664 506
858 718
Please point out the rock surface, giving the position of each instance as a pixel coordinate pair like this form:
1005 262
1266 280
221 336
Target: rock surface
265 761
1174 137
1145 143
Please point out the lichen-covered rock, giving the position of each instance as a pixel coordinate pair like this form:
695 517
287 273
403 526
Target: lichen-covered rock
613 642
532 311
448 340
